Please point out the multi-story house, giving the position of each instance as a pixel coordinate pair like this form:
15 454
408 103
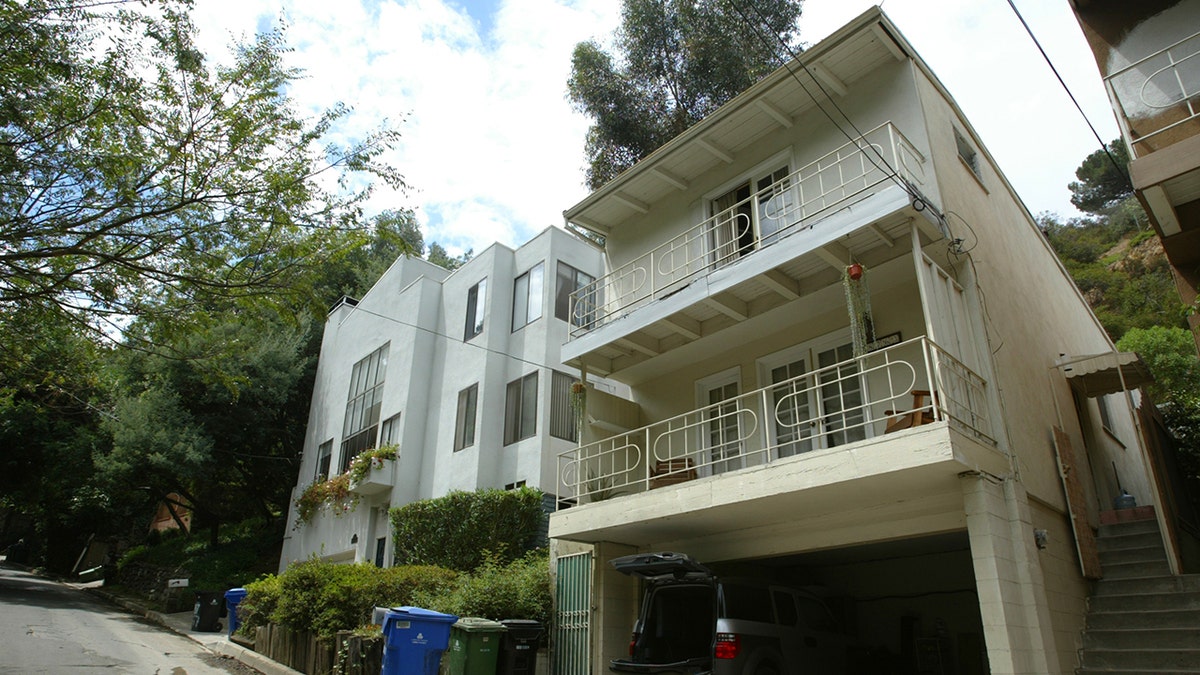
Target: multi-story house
854 363
460 370
1149 57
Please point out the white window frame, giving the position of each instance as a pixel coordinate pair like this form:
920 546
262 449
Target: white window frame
465 420
716 465
529 294
784 159
476 310
810 350
570 317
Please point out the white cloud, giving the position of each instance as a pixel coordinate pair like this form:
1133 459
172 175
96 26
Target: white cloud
494 151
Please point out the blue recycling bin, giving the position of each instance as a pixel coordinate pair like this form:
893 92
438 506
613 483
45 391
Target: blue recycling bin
414 639
233 597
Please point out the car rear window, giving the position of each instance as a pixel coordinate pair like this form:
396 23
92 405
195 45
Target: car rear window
679 623
748 603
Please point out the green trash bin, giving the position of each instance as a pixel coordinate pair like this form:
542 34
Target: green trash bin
474 647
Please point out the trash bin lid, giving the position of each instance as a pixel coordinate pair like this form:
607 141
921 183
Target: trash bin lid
421 614
475 624
235 593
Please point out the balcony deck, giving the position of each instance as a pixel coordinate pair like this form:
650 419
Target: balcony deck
736 265
766 439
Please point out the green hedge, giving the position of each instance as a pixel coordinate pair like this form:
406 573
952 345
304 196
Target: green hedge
461 530
325 597
518 590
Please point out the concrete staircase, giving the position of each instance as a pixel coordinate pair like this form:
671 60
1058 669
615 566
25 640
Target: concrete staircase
1140 618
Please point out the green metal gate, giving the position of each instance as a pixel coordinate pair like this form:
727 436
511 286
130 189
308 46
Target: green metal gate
573 615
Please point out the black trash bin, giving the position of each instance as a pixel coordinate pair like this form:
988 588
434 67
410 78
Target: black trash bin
519 647
206 615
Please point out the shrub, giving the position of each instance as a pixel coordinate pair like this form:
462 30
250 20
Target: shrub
325 598
459 530
518 590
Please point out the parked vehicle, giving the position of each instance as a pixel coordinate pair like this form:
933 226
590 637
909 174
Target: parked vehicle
694 623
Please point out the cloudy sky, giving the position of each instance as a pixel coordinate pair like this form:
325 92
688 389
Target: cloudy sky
494 152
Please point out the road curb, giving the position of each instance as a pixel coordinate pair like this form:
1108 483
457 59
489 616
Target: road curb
249 657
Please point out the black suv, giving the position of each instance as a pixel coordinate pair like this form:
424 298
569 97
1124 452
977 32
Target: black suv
694 623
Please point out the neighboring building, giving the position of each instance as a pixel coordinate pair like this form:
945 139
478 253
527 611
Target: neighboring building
1149 56
916 477
460 370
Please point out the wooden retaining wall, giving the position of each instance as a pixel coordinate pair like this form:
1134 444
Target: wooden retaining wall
343 654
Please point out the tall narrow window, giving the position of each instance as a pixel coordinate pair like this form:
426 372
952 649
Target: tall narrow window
570 280
527 296
732 230
363 405
520 409
966 152
776 205
475 305
464 423
324 453
562 414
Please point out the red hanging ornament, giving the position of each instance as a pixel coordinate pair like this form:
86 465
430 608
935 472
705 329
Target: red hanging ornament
854 271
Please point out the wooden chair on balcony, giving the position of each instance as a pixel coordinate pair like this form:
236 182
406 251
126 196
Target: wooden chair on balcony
672 472
920 413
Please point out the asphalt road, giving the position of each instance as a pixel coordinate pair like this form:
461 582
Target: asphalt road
49 627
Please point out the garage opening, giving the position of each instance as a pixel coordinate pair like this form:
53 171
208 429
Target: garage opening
911 606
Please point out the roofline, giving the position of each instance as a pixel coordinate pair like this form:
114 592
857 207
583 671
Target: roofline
783 73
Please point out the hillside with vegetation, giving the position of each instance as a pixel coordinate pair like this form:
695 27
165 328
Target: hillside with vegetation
1118 264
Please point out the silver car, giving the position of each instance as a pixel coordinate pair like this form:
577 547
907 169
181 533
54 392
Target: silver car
694 623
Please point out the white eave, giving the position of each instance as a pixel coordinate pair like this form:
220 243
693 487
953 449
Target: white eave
853 51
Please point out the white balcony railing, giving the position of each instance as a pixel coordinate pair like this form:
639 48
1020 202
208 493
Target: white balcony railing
912 383
1159 92
757 221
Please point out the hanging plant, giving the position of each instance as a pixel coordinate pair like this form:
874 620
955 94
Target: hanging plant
578 399
858 307
368 460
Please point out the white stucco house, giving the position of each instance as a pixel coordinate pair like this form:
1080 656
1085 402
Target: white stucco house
854 363
460 370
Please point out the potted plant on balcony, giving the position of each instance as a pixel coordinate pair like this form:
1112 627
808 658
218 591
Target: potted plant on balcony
333 493
370 460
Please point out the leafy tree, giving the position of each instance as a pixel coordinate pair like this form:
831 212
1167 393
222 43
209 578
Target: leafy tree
439 256
1170 353
137 178
676 61
1102 184
220 421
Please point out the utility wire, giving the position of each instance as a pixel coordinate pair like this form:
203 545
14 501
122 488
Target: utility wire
1103 145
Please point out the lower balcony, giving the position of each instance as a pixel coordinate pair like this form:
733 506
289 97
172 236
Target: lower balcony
833 424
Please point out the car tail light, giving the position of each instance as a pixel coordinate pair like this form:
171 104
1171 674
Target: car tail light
633 643
728 645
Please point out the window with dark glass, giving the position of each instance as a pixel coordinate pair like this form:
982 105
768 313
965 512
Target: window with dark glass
464 423
568 281
562 413
363 405
520 409
324 453
527 296
389 431
476 298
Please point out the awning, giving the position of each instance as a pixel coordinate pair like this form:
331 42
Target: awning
1108 373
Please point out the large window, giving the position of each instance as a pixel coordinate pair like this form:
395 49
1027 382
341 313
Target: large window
464 423
527 296
520 409
363 405
562 414
570 280
475 304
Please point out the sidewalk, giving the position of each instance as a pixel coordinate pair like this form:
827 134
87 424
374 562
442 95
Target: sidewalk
181 623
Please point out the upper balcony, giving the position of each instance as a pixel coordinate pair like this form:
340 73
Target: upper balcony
1157 97
795 230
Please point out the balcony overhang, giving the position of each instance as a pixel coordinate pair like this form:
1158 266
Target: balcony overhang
908 477
1167 183
877 228
862 46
